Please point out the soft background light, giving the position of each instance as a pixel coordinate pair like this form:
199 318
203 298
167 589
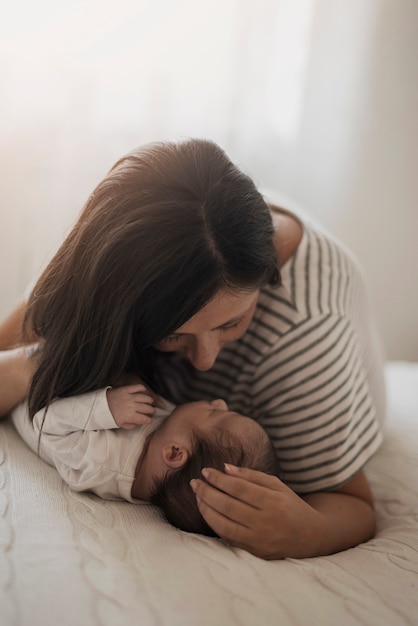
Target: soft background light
316 99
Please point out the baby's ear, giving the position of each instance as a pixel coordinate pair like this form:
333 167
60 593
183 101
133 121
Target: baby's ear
174 455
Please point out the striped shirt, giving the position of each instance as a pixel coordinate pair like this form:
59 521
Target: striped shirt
308 369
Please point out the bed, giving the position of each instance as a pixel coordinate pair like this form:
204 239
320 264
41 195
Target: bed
69 559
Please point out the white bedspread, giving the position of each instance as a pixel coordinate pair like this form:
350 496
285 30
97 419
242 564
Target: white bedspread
72 559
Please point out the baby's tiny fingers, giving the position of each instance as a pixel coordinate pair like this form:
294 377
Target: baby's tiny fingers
144 409
152 398
159 402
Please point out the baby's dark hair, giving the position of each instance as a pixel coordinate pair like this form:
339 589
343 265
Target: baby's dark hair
173 493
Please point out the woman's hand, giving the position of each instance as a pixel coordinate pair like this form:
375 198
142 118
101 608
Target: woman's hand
259 513
132 405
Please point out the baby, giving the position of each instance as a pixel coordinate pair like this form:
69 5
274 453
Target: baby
104 442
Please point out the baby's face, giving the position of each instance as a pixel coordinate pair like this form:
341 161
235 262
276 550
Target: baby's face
211 416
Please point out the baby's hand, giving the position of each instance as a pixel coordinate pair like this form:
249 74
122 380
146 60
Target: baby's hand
131 405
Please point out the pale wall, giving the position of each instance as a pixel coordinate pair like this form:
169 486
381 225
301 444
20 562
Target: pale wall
355 161
351 157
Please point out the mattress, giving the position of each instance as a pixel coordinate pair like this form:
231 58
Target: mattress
73 559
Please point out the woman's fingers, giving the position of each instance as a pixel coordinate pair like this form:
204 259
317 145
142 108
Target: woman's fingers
232 530
253 476
243 507
249 486
228 517
221 501
227 502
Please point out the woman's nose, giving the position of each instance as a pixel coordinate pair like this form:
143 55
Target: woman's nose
203 354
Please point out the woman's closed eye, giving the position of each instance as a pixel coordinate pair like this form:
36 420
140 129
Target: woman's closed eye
231 325
172 338
176 337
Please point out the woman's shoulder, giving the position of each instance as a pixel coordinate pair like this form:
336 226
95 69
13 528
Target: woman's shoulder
318 279
288 233
302 241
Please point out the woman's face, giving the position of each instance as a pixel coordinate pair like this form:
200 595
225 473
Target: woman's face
225 318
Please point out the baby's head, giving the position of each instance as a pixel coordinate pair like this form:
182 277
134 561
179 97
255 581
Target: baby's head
198 435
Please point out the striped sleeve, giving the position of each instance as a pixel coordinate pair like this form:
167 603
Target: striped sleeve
312 395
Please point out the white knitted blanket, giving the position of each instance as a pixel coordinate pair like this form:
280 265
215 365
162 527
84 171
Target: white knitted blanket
69 559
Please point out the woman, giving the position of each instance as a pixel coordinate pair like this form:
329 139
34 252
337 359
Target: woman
178 271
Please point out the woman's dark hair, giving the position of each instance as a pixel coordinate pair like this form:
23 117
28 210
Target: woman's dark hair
173 493
168 227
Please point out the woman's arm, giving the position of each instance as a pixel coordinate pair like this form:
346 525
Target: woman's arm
16 371
17 364
11 335
260 514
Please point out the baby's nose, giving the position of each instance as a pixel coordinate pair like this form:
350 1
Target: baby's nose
219 404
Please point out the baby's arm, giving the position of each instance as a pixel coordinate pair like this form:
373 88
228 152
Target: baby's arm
122 407
76 435
73 435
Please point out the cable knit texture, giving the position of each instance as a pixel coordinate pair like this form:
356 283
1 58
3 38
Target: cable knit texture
71 558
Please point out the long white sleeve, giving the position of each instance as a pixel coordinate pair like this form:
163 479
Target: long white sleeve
86 412
79 436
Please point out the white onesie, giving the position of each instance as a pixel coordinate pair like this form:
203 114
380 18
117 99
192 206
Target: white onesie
79 437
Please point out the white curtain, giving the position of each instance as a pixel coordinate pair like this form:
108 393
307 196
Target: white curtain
314 98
